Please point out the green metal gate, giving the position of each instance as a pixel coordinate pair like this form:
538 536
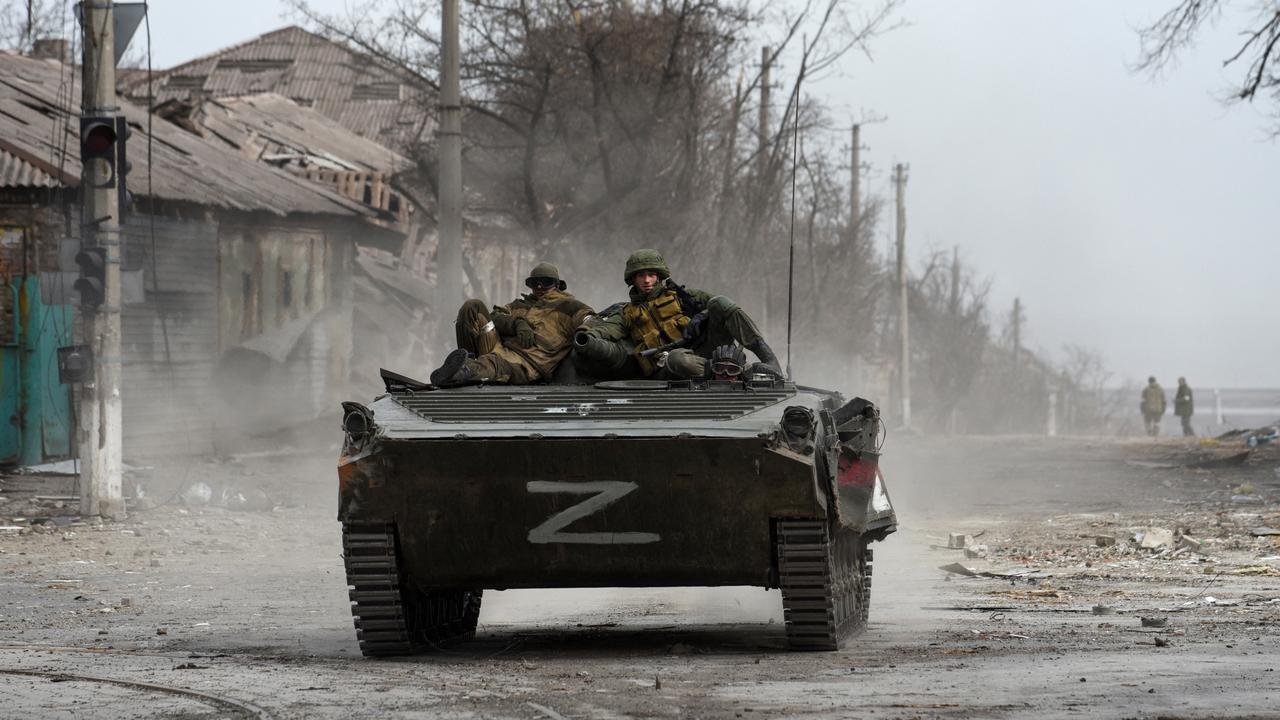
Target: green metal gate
35 415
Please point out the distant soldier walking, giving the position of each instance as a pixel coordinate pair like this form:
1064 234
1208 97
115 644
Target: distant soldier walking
1152 406
1184 407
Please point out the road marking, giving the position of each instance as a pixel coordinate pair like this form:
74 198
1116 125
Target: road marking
606 493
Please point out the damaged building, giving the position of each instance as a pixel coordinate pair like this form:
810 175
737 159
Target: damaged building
238 278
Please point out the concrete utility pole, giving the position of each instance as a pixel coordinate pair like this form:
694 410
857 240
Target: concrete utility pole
904 334
855 184
762 130
100 410
449 202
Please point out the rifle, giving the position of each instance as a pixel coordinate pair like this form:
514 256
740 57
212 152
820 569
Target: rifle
688 303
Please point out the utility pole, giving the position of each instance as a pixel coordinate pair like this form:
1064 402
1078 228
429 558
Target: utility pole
904 346
100 414
449 202
855 184
762 130
1017 334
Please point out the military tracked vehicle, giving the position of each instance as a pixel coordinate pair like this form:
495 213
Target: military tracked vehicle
444 493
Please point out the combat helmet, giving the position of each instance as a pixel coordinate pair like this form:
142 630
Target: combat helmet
728 360
546 270
646 260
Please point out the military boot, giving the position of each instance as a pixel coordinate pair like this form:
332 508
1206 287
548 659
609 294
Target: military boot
767 358
454 371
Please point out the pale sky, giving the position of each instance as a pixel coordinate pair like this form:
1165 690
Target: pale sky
1134 217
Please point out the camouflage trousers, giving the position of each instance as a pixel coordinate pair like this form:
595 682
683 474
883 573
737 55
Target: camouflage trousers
726 323
1152 423
477 335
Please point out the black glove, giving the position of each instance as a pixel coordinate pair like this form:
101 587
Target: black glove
761 368
524 331
696 325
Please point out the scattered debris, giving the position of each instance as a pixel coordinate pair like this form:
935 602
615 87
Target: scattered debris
1104 540
959 569
1262 436
1218 462
1154 538
546 711
1257 570
1186 542
976 551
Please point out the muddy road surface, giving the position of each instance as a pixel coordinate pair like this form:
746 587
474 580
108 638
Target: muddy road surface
187 610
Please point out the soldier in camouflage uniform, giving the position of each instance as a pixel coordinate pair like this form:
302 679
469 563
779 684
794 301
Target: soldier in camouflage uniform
515 344
1152 406
692 323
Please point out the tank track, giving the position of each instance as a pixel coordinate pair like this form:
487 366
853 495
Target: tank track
391 617
826 584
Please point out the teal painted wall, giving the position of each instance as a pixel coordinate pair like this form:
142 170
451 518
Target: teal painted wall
35 414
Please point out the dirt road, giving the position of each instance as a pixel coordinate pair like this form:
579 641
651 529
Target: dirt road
201 612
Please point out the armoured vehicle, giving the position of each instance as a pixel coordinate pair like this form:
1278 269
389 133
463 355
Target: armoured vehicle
444 493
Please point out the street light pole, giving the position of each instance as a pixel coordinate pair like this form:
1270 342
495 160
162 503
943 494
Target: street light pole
100 432
449 206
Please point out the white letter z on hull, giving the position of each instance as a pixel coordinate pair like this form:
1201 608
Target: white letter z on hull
604 493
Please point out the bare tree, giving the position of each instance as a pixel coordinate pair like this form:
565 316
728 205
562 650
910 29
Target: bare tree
1257 57
23 22
599 126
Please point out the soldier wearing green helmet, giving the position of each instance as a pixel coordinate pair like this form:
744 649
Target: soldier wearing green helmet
518 343
670 330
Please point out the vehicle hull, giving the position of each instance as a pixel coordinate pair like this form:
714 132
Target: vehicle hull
564 512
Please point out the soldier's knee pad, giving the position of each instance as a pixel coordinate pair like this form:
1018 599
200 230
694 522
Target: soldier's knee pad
721 306
473 308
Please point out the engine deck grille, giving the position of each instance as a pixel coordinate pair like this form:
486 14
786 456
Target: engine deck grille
526 405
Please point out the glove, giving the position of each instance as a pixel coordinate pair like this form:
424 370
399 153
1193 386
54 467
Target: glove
761 368
524 332
696 325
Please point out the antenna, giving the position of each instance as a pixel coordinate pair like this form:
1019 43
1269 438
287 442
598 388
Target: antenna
795 159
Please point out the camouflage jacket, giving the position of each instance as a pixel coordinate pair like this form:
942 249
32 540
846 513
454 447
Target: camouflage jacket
553 319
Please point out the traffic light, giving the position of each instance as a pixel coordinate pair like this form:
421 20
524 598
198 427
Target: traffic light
75 364
92 282
98 151
103 156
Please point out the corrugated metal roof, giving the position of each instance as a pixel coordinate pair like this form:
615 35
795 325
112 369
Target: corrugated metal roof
269 124
335 80
41 126
16 172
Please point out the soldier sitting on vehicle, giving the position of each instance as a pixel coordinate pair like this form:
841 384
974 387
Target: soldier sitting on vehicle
673 329
515 344
607 359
